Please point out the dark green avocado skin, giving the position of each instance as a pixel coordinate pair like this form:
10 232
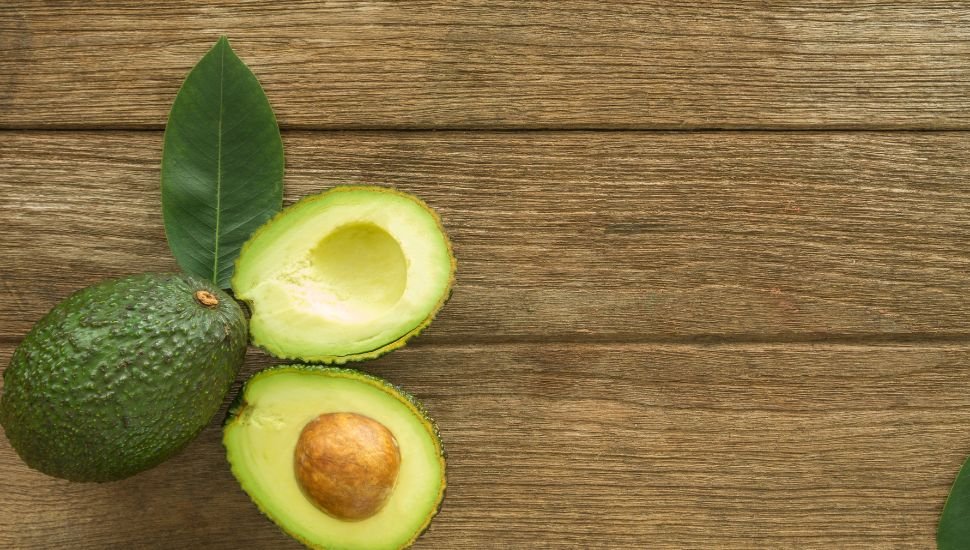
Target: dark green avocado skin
120 376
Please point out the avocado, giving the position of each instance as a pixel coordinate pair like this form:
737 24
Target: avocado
345 275
121 375
335 457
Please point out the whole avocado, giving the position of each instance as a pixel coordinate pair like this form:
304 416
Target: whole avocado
121 375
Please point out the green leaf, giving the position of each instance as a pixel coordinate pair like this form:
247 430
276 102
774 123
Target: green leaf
222 165
954 530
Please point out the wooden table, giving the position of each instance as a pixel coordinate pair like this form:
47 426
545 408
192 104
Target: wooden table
714 256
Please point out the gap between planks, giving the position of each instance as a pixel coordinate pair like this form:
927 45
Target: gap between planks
875 129
806 341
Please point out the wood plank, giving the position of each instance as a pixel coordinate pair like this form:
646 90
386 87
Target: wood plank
514 64
624 446
568 236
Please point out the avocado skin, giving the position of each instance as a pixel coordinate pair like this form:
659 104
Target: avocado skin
121 376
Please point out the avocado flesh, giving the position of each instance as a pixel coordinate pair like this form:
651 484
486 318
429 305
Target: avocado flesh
262 431
121 375
345 275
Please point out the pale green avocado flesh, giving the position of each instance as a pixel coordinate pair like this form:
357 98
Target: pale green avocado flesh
345 275
262 431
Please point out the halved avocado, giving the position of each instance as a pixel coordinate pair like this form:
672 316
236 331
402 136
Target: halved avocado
345 275
335 457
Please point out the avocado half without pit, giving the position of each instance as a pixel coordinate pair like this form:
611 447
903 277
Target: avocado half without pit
335 457
345 275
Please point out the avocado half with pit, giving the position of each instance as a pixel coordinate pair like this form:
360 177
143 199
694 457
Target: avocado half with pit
345 275
335 457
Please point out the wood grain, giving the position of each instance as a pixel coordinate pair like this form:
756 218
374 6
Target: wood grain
508 64
580 446
574 236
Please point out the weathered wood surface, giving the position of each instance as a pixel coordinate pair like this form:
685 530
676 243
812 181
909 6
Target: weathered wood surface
569 236
513 64
699 339
580 446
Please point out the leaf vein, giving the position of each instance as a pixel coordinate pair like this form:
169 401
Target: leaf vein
222 108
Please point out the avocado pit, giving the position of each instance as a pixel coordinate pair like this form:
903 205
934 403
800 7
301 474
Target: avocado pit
347 464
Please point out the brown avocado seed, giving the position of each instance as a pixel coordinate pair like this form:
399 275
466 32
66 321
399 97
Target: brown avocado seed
347 464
